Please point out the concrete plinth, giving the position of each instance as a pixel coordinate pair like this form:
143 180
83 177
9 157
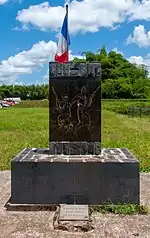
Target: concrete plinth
40 178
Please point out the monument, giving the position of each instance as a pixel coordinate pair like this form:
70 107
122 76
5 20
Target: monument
75 108
75 169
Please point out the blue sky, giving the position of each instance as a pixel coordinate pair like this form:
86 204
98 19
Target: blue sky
29 30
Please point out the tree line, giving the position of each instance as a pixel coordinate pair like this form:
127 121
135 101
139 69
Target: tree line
25 92
120 79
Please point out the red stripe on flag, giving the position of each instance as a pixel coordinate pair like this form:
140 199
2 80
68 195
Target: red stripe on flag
62 58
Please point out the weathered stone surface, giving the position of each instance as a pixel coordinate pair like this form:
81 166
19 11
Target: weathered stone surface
97 148
75 225
73 69
75 106
39 224
75 148
74 212
84 179
56 148
119 155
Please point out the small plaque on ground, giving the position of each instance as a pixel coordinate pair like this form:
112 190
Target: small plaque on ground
74 212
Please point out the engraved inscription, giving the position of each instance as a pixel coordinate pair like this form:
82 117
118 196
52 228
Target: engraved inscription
73 69
74 212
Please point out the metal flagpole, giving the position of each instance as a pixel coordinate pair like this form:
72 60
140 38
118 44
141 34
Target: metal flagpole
67 31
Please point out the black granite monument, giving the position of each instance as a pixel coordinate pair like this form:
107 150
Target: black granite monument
75 170
75 108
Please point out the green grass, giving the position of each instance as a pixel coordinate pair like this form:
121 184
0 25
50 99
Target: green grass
33 104
20 128
120 131
28 127
125 209
128 107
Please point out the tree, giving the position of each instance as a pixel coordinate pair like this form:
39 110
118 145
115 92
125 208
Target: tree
120 79
90 57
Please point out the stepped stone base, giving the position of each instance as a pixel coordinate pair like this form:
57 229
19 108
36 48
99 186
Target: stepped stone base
40 178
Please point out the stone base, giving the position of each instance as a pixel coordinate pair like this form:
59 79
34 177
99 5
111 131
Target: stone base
40 178
29 207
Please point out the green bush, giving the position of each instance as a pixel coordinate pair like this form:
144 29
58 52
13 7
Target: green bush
125 209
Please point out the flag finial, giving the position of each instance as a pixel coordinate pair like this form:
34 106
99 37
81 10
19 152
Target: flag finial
67 8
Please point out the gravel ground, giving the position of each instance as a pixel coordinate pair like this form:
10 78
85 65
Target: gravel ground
39 224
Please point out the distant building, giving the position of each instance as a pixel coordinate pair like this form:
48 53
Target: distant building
15 99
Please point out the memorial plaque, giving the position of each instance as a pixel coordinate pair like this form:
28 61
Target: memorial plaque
74 213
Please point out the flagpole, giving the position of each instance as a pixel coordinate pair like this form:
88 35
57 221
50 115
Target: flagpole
67 9
67 30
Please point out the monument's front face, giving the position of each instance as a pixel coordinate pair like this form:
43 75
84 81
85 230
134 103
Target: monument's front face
62 175
75 108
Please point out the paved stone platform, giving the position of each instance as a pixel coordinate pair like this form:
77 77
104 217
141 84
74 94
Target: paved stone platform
121 155
39 224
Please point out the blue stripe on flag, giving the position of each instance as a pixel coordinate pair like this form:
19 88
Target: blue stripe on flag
64 30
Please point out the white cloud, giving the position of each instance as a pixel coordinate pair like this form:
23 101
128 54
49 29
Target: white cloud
46 76
35 58
117 51
23 28
139 37
67 2
140 10
3 2
84 16
72 56
139 60
26 61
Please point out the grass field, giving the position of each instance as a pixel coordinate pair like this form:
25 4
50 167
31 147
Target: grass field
28 127
137 108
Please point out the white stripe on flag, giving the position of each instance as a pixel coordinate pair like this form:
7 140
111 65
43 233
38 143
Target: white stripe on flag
62 45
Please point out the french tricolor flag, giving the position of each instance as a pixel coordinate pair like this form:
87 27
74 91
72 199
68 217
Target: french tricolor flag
62 54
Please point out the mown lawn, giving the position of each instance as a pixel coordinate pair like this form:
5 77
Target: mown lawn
28 127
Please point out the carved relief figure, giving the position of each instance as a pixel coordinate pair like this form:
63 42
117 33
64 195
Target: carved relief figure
64 108
81 102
